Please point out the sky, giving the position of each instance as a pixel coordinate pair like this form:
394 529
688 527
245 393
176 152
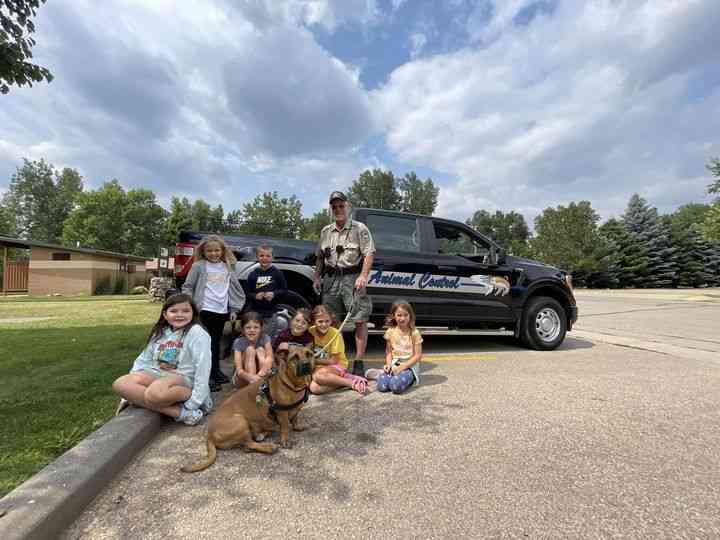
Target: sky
506 104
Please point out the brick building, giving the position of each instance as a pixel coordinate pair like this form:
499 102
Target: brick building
44 269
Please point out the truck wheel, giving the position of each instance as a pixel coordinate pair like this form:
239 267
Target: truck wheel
288 306
544 324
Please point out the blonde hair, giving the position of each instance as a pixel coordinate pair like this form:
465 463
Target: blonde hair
400 304
322 309
227 255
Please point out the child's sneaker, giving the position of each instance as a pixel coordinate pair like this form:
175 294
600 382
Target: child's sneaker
207 405
189 417
124 404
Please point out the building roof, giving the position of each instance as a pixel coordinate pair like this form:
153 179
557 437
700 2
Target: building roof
24 244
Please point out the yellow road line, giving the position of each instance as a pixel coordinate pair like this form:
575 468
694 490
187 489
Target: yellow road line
444 357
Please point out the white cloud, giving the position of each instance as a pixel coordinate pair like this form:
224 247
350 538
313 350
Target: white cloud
589 103
417 43
220 101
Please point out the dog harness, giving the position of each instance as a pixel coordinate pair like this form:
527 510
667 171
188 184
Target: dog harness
264 393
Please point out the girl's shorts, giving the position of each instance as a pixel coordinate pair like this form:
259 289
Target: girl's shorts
161 374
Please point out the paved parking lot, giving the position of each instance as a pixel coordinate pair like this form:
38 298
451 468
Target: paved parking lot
594 439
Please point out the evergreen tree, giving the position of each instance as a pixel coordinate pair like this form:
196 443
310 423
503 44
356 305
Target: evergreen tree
626 261
642 221
695 255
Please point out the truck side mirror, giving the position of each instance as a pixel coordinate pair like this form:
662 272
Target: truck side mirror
500 256
496 256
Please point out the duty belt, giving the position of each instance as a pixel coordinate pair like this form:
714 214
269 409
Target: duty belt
331 270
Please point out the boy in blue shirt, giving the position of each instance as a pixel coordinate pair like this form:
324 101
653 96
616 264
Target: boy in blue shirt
266 285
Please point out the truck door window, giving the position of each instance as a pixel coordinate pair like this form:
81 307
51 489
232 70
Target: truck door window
394 232
456 241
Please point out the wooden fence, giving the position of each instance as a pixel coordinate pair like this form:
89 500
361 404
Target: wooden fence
15 276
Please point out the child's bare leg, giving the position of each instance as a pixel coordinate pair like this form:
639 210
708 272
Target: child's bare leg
133 386
249 360
328 378
263 360
166 392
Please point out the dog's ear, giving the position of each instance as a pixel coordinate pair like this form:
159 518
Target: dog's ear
281 355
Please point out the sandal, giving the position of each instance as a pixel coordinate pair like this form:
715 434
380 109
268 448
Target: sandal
359 384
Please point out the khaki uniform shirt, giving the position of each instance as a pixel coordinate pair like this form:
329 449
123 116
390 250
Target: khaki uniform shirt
355 239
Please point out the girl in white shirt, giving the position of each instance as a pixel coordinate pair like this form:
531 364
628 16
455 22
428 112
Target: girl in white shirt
217 293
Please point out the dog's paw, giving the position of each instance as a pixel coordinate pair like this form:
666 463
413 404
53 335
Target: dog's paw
299 427
286 444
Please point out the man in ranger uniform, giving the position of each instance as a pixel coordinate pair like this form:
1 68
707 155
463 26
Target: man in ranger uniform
344 259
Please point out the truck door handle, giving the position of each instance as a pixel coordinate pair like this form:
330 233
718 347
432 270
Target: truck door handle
446 268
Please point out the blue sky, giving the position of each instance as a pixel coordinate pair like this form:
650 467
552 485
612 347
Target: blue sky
511 105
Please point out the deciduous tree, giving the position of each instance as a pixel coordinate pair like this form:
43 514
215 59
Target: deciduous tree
711 225
567 237
509 230
375 189
16 43
7 221
271 215
180 218
313 225
41 198
417 196
112 219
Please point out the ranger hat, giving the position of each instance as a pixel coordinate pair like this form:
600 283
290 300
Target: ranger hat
337 195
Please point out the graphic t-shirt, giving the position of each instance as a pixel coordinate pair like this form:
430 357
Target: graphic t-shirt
168 349
216 290
286 336
336 347
260 281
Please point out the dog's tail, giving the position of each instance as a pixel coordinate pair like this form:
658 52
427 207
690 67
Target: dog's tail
202 465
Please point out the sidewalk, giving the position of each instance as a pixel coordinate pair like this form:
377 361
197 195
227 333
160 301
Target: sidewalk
51 500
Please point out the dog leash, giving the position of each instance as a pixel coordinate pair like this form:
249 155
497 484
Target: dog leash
339 330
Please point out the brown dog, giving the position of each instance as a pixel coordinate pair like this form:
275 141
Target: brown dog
260 407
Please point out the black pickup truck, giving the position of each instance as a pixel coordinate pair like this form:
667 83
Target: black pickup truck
455 278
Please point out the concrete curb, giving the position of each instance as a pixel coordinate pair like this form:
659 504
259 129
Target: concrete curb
50 501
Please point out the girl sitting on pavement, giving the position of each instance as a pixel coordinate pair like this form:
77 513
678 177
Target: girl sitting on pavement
403 351
252 351
331 363
171 374
297 334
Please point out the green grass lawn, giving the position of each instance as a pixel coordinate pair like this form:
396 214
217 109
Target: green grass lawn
58 358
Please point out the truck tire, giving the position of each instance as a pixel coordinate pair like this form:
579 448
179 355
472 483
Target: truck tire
288 306
544 324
